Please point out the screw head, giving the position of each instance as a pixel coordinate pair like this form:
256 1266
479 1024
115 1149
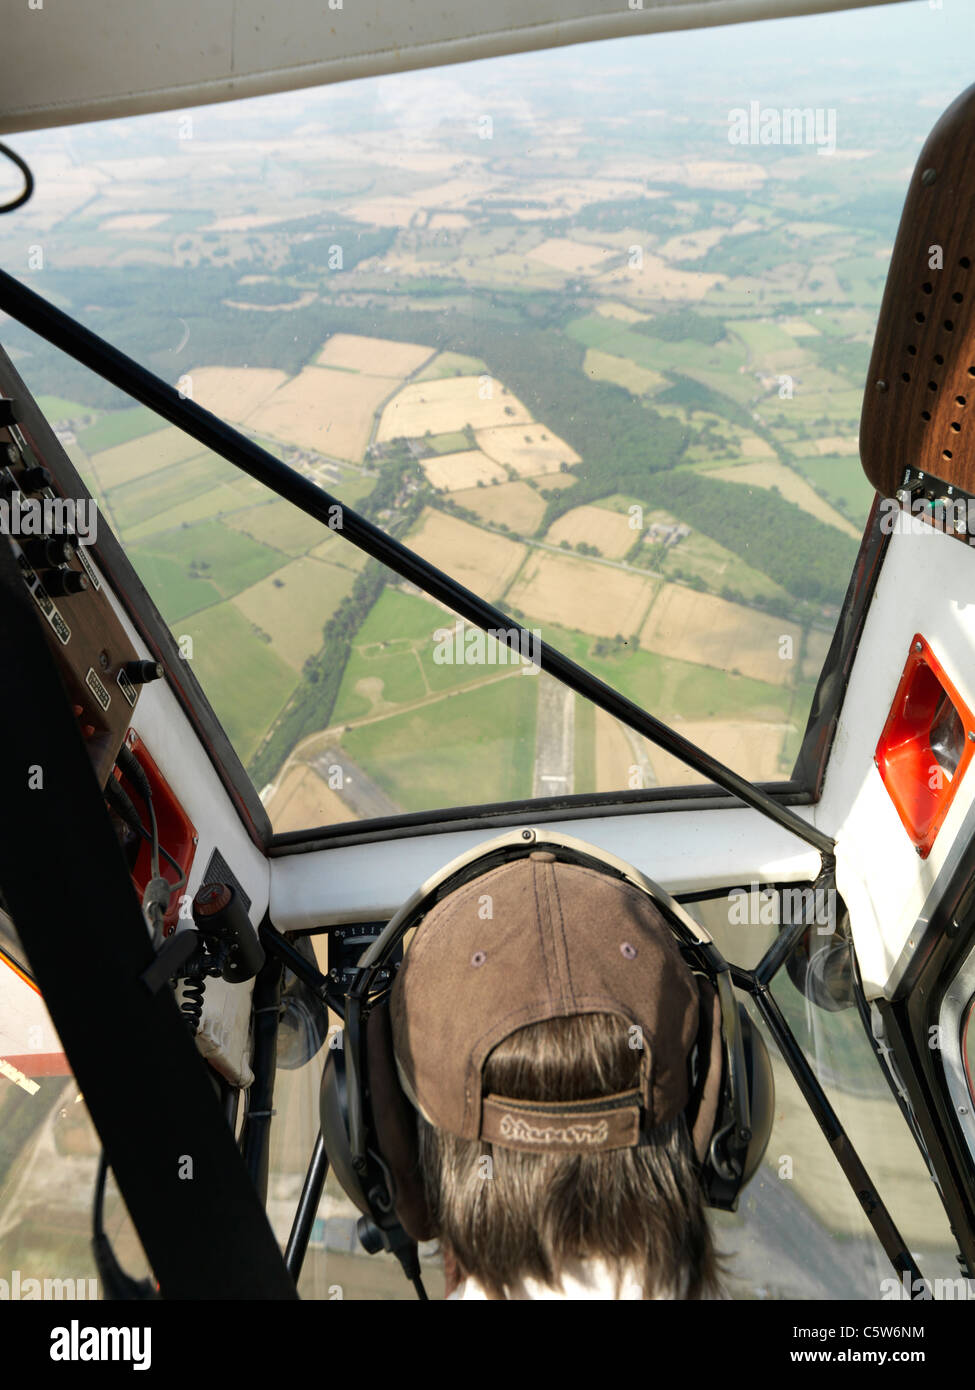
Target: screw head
918 647
881 386
928 177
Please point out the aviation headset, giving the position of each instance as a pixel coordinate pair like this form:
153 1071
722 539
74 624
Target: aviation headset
369 1124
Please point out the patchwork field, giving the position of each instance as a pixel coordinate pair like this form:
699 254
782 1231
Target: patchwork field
516 504
612 309
454 472
292 605
374 356
149 454
610 532
576 593
791 486
449 404
702 628
234 393
480 560
571 256
655 279
529 452
326 411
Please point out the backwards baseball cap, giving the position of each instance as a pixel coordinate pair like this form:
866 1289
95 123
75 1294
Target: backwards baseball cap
535 939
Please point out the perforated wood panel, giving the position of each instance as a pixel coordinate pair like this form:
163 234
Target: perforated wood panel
919 402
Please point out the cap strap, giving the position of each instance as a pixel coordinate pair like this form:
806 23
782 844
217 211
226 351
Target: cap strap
544 1127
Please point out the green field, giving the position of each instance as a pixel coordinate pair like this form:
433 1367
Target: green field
842 481
118 427
199 565
451 364
470 747
244 681
135 502
452 443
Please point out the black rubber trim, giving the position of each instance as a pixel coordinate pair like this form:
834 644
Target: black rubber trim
656 801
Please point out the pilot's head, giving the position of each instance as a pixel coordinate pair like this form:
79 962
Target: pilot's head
557 1049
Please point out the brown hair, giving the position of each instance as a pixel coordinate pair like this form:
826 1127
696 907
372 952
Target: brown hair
525 1215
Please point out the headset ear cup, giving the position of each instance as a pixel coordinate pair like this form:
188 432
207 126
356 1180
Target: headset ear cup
394 1122
334 1115
702 1114
761 1094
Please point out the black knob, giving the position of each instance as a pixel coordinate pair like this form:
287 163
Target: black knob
9 412
139 672
49 551
34 478
63 583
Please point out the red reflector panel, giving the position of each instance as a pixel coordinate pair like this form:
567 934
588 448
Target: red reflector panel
926 745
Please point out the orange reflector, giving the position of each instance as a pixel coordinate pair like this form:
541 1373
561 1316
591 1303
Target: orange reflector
926 746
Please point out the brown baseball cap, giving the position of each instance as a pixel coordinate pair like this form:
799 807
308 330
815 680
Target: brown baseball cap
539 938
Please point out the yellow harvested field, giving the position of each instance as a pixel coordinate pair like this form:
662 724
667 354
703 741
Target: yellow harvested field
374 356
516 504
528 451
654 279
293 604
710 631
839 444
792 487
457 471
754 448
748 747
581 594
234 392
619 752
571 256
448 404
385 212
134 222
604 366
325 411
608 531
612 309
301 302
303 799
799 328
482 561
125 462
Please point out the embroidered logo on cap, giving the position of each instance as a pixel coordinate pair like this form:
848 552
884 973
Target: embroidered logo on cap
515 1128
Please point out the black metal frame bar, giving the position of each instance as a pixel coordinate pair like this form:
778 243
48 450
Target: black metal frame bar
65 333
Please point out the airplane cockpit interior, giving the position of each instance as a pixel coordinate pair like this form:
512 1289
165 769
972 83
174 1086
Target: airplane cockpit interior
512 456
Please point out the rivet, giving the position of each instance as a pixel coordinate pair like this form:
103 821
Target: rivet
918 647
881 386
928 177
